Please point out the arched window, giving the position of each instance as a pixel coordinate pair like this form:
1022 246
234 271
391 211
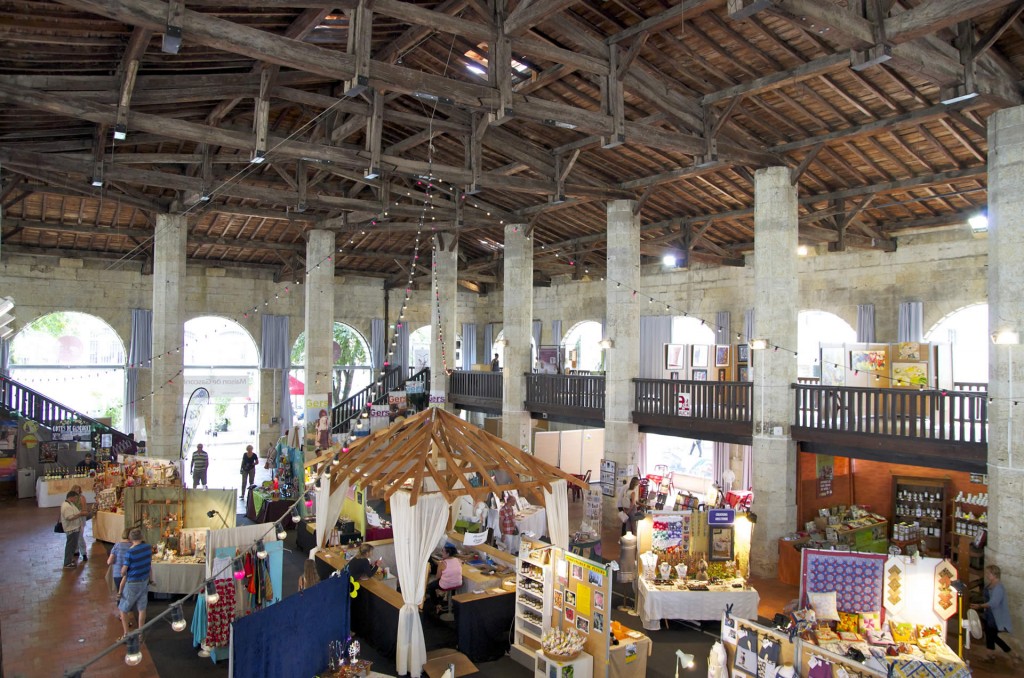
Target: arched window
498 347
813 329
419 350
352 370
74 358
687 330
966 331
221 356
580 348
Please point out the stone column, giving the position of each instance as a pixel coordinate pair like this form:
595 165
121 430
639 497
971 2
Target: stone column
518 313
622 327
168 337
443 311
1006 362
776 288
319 313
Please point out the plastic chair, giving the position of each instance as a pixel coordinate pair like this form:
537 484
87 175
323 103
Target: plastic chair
577 492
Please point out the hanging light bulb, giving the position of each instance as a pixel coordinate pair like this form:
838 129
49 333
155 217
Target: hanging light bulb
178 622
237 571
133 656
281 532
212 597
261 550
295 515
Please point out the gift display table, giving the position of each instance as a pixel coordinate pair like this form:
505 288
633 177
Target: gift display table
655 603
261 508
50 492
628 659
177 577
360 668
107 526
532 520
581 667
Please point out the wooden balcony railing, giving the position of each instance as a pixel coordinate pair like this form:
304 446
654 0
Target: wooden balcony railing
564 397
976 386
715 400
479 391
946 416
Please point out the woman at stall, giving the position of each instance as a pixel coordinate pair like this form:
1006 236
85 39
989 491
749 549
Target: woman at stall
360 567
309 577
449 575
997 615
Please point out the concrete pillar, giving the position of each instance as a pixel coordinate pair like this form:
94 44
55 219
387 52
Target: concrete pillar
168 336
776 288
518 313
319 312
622 326
443 311
1006 362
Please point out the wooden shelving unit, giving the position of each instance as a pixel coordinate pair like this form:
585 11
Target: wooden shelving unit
924 501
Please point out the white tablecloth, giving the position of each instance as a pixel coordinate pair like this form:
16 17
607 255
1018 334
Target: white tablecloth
107 526
177 577
533 519
51 493
653 605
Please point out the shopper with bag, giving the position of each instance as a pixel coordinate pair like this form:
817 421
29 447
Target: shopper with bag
72 519
249 462
507 524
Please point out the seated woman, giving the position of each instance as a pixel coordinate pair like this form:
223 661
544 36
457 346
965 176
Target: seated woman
360 567
449 576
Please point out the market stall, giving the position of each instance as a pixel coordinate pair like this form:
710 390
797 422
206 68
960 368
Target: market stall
419 467
51 491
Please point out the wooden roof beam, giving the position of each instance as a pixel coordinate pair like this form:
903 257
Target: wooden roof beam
931 16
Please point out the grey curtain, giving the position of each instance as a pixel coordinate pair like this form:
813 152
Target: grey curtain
5 356
488 342
468 345
719 462
723 327
865 323
401 348
911 319
140 353
378 344
275 354
748 325
537 325
556 333
655 332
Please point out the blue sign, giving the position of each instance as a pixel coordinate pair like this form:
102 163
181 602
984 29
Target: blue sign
719 517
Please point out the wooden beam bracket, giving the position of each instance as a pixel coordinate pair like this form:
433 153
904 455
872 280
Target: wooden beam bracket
359 46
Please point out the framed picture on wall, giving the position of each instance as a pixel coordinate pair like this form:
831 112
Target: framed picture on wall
674 376
699 357
720 545
744 373
742 353
700 375
674 356
722 355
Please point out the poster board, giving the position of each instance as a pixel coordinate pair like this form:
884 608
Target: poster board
608 477
588 585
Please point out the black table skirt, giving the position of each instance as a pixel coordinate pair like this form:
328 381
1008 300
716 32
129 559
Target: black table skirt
269 512
483 626
376 621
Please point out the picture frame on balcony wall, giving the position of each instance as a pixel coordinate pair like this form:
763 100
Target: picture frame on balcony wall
675 356
744 373
742 354
699 357
700 375
722 355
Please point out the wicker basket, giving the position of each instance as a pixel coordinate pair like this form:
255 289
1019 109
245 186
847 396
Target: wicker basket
562 657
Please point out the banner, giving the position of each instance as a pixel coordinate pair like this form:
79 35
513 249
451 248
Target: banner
71 432
380 417
199 399
317 419
234 386
437 398
684 405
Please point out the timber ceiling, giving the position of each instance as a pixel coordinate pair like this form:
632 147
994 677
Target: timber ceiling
381 119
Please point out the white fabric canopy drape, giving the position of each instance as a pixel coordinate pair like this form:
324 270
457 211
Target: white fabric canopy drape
418 529
556 503
328 508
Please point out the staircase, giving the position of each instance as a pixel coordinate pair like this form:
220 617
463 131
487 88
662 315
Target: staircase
20 399
344 412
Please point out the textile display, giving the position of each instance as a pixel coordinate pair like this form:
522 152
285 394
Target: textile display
945 596
220 616
746 652
895 585
556 503
261 649
768 657
243 536
857 578
917 668
418 528
817 667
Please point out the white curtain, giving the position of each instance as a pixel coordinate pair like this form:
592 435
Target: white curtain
275 354
911 320
748 325
866 323
328 508
719 462
378 344
140 354
655 332
556 504
468 345
417 528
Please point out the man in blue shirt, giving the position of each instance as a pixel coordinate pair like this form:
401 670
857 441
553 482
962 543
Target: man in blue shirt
136 575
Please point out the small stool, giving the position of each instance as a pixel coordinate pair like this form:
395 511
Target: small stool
446 602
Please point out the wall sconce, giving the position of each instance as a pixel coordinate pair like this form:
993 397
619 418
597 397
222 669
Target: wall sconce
606 343
979 223
1005 338
503 342
758 344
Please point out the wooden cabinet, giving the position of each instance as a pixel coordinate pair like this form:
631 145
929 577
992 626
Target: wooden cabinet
534 580
926 503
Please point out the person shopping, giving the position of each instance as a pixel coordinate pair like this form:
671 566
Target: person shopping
449 576
997 616
200 463
136 576
72 519
249 462
507 524
83 506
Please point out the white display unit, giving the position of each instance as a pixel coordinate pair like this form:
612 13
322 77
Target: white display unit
533 607
582 666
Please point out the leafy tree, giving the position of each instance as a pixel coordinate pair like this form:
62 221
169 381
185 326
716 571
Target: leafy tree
353 353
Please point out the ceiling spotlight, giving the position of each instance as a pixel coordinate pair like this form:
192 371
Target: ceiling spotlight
120 131
97 182
669 261
979 222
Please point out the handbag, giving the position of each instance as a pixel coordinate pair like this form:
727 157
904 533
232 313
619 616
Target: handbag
59 527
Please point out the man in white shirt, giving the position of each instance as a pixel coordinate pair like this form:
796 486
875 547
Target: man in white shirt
72 520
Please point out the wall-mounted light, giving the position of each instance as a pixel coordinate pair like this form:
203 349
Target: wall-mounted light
1005 338
978 222
758 344
120 131
801 251
606 343
502 342
669 261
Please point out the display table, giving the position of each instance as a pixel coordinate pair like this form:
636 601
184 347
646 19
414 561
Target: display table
51 492
375 615
108 526
482 622
655 603
581 667
532 520
177 577
628 659
260 508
